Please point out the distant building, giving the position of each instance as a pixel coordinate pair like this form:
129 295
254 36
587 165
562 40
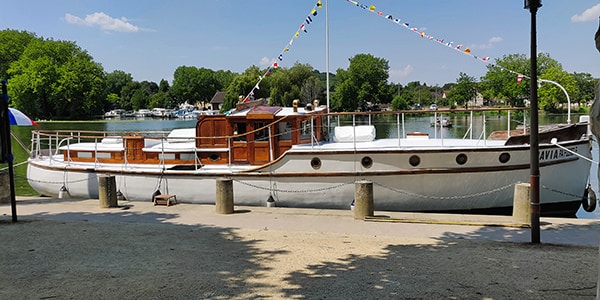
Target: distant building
217 100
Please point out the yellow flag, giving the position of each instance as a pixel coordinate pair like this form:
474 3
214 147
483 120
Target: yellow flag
468 51
372 8
297 34
319 4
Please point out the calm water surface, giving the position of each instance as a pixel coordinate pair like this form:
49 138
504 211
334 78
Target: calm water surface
387 126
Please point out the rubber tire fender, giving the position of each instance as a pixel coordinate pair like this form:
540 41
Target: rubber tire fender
588 202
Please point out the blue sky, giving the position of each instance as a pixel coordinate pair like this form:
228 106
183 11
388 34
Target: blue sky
150 39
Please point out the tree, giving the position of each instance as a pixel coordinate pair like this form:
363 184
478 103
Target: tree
13 45
311 89
464 91
501 79
587 85
550 95
192 84
115 82
364 82
240 86
57 79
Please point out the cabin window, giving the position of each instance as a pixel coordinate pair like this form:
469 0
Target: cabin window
262 132
166 156
366 162
315 163
504 157
84 154
414 160
239 130
102 155
305 130
285 131
461 159
187 156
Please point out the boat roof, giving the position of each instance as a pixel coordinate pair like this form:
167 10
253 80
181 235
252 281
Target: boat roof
276 111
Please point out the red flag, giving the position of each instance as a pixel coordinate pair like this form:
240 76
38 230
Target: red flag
519 78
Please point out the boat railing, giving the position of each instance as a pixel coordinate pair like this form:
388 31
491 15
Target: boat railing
49 142
402 130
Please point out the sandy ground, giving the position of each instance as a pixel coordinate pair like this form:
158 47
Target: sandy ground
75 250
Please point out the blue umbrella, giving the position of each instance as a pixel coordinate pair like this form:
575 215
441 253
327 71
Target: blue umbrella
16 117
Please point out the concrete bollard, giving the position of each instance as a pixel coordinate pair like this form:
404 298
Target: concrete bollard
4 187
107 191
363 199
521 204
224 201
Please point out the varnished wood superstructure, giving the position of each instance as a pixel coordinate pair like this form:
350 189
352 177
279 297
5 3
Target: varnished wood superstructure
255 136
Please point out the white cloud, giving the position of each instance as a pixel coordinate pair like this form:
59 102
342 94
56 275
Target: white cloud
397 74
490 43
265 61
104 21
590 14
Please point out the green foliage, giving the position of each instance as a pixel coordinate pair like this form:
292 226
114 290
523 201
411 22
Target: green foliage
364 82
550 95
56 79
400 103
12 47
193 84
465 90
501 84
240 87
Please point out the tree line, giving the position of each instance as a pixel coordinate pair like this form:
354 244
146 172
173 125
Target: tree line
50 79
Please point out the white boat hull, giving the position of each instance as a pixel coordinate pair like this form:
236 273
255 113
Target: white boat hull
438 183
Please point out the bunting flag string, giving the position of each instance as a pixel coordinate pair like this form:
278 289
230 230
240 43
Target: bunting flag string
459 47
302 28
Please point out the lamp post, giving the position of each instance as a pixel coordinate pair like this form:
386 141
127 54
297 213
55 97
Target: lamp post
534 178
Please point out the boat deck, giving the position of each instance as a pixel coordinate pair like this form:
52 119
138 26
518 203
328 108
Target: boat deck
410 143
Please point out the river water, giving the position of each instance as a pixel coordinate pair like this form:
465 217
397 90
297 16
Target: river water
386 126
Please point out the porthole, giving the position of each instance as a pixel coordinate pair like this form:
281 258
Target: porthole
315 163
414 160
461 159
366 162
214 157
504 157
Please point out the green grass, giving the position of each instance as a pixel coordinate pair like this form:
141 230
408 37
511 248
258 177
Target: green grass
22 187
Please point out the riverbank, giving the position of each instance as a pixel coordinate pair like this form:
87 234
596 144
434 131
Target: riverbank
74 249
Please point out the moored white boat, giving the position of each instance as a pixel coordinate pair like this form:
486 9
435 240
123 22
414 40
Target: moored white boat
289 154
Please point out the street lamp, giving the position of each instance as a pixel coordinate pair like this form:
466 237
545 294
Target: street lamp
534 177
536 3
